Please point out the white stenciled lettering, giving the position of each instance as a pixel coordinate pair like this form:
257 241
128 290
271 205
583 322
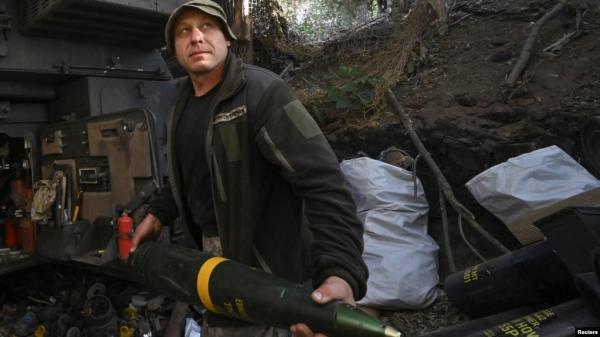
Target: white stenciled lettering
231 115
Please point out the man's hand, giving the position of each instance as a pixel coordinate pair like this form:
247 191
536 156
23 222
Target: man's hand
334 288
148 229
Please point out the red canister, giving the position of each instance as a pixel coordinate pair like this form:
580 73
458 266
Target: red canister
11 239
125 229
27 235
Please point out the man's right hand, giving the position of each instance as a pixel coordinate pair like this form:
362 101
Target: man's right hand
148 229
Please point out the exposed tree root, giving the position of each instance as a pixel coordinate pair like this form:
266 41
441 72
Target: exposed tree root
526 51
461 210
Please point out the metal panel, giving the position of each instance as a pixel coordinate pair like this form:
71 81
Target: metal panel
161 6
57 59
24 91
134 23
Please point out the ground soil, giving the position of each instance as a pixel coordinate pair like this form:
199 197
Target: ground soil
464 114
469 121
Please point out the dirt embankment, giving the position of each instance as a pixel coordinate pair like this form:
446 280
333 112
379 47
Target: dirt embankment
469 121
465 116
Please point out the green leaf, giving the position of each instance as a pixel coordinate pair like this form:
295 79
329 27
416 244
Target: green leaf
365 98
316 112
343 103
350 88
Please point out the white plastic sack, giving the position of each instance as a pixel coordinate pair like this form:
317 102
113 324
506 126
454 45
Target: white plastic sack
530 181
192 328
400 255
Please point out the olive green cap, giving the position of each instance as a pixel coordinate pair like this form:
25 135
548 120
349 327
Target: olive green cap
209 7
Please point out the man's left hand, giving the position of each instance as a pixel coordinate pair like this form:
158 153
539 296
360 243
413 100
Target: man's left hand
334 288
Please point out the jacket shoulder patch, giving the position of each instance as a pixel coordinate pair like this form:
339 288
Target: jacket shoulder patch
302 119
231 142
236 113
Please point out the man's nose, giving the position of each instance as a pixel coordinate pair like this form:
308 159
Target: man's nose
197 35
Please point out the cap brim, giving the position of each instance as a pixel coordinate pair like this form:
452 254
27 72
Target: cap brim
205 9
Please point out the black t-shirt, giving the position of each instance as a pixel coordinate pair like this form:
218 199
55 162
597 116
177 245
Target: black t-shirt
190 149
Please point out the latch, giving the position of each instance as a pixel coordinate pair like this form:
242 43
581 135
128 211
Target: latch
4 109
5 26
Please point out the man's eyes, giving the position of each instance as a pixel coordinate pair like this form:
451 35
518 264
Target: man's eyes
204 27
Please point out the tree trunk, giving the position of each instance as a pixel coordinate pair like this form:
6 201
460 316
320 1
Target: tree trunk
399 6
439 6
242 28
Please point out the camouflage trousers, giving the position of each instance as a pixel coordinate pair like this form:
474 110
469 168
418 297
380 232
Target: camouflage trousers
251 331
213 245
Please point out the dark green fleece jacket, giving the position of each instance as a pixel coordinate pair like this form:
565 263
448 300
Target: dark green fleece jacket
277 188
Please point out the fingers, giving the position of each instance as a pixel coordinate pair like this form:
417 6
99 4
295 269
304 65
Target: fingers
141 232
318 296
135 241
302 330
149 228
334 288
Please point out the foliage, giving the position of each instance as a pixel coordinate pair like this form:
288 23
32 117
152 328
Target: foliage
349 88
417 58
316 20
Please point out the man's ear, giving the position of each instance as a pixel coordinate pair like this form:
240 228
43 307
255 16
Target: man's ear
228 43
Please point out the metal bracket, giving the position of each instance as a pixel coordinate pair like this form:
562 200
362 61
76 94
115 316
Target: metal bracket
4 109
5 26
67 68
5 22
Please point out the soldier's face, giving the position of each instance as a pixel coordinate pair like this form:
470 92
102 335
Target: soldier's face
200 44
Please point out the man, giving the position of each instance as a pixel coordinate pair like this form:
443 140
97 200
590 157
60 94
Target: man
251 174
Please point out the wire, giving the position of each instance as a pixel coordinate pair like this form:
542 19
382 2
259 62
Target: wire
447 247
462 234
153 149
414 173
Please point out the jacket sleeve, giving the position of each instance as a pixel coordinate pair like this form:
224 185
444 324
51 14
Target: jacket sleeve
289 137
163 206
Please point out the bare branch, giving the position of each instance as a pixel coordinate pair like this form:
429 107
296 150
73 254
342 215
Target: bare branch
459 20
560 43
447 246
526 52
443 183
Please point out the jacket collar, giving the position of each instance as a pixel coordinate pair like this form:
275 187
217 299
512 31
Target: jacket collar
233 80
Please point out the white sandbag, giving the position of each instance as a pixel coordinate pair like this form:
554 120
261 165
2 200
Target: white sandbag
400 255
531 181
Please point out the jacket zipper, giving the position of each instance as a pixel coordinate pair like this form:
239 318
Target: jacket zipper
219 181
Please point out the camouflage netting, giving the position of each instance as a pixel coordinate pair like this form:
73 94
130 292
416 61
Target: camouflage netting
381 42
415 323
377 43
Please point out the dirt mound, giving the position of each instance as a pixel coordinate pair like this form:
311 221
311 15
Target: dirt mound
458 97
467 119
470 121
